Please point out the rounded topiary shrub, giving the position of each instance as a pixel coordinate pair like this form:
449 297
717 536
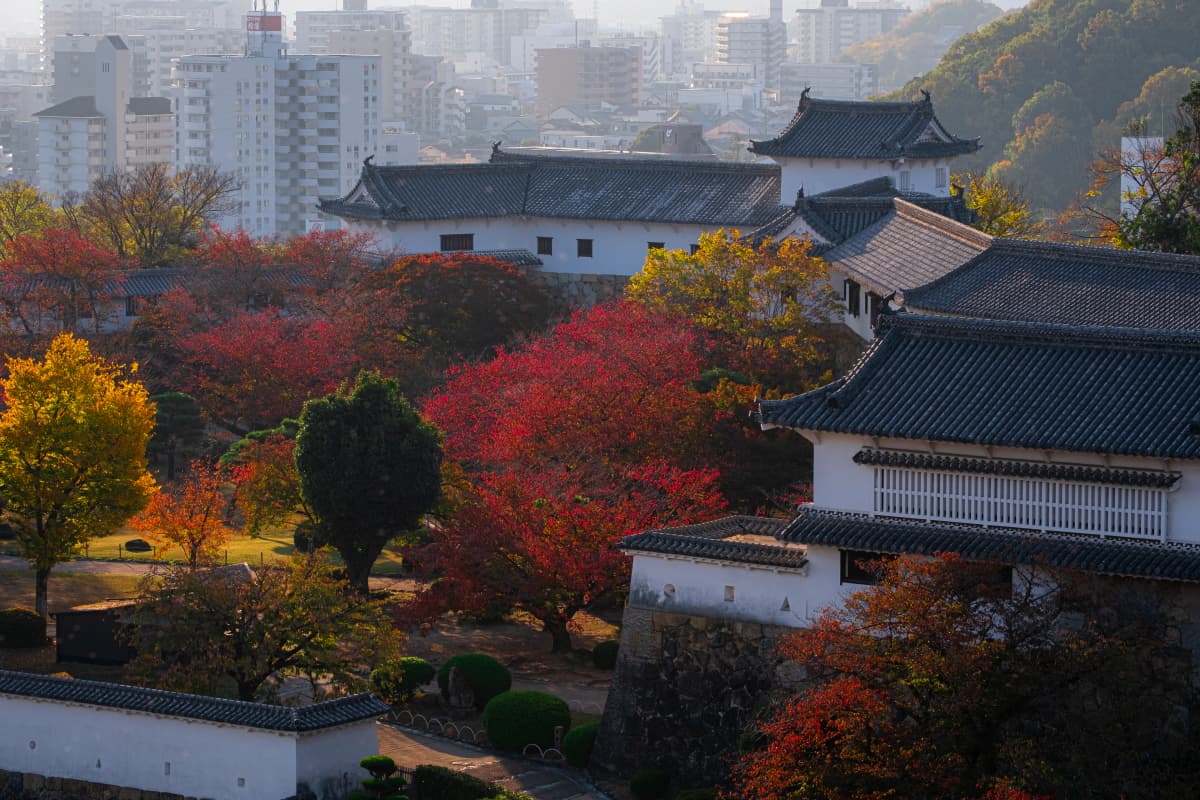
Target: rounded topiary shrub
577 744
138 546
486 676
22 627
396 681
515 719
604 655
650 784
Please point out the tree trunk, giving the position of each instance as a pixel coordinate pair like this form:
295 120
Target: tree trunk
41 584
559 634
358 569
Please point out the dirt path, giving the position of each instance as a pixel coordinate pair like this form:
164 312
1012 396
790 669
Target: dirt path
539 781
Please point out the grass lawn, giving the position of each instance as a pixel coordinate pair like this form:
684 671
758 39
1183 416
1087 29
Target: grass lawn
273 546
66 589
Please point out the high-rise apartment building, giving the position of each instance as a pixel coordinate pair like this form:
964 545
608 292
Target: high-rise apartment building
486 28
313 28
588 77
743 39
101 126
396 81
828 81
692 32
292 128
821 34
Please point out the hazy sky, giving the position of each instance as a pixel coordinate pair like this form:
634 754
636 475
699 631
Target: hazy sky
23 15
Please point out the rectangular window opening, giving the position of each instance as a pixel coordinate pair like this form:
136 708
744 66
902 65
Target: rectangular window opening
583 248
545 245
850 293
457 241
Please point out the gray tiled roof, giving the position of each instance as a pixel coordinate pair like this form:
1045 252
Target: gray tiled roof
863 130
1045 387
713 540
1115 476
1030 281
518 258
618 188
191 706
84 106
148 106
908 246
1092 554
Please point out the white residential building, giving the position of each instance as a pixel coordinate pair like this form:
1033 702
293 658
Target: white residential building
821 34
743 39
831 81
291 128
692 32
72 150
393 46
149 132
313 28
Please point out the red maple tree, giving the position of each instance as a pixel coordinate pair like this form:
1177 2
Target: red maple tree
256 368
56 280
570 441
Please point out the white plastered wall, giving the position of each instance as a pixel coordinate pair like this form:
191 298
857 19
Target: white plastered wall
121 748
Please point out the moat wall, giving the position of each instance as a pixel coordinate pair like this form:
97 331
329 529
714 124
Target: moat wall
686 690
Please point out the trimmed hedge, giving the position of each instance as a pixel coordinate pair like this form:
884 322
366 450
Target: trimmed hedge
486 676
515 719
650 784
22 627
446 784
604 655
396 681
577 744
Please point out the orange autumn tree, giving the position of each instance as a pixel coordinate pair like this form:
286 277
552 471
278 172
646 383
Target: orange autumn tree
189 515
953 679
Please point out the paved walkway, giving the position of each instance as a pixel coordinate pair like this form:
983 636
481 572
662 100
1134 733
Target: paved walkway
539 781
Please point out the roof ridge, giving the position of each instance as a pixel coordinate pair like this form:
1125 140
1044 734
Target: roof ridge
955 327
999 530
959 231
1064 250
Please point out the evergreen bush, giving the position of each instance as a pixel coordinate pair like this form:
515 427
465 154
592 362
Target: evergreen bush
516 719
486 676
22 627
577 744
447 784
396 681
604 655
385 782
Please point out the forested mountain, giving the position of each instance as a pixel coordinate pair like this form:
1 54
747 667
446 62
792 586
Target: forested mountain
914 46
1049 86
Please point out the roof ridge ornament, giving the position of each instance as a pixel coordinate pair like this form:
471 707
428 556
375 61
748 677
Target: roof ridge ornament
927 98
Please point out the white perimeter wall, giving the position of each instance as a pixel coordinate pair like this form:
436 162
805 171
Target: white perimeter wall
840 484
327 761
619 248
131 749
759 593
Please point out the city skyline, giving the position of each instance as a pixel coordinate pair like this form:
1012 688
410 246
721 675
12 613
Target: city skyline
25 15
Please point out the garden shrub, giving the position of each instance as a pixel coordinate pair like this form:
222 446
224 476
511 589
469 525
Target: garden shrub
697 794
486 676
446 784
138 546
515 719
650 784
384 784
22 627
302 538
577 744
396 681
604 655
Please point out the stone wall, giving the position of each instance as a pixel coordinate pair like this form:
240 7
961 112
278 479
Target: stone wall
26 786
573 291
685 691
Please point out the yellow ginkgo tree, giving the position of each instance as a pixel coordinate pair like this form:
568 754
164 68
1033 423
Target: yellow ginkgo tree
73 440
